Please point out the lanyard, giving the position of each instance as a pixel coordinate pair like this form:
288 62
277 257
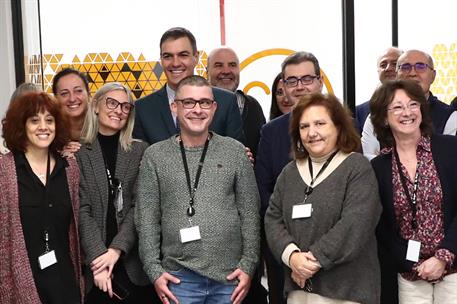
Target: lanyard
411 200
309 189
46 201
191 209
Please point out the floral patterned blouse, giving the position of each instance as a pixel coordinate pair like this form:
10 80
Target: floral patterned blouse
429 214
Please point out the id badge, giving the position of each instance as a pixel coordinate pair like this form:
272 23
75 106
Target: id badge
47 259
412 254
302 211
190 234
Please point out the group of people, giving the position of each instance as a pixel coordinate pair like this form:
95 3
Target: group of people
182 196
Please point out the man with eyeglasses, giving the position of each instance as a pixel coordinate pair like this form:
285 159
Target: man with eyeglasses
197 213
301 75
154 120
416 66
387 70
224 72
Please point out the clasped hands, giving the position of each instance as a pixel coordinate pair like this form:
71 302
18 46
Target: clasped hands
304 265
431 269
102 269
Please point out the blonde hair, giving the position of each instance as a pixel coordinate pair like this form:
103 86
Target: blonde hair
91 123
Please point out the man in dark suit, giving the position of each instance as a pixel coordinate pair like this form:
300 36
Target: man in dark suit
224 72
301 76
154 120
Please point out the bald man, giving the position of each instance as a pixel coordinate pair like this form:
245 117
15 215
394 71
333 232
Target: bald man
224 72
387 70
417 66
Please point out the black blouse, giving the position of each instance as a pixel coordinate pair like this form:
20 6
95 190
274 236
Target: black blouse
56 283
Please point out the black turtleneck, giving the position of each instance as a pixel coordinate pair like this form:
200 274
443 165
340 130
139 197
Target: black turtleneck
109 146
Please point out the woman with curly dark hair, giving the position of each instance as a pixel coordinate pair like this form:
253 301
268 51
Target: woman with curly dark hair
39 206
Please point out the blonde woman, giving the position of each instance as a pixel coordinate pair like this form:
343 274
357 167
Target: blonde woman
109 160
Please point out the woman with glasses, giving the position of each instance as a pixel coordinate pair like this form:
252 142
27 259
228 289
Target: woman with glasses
279 103
322 215
417 177
109 160
40 260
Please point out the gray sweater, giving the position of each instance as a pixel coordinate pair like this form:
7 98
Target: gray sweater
340 233
226 210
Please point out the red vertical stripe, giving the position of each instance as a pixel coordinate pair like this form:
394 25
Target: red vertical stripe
222 20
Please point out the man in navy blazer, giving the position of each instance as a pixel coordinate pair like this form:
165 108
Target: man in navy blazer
301 76
154 120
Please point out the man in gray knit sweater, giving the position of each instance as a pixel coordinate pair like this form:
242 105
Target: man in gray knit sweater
197 211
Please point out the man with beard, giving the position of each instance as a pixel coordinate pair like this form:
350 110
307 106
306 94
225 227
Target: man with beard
224 72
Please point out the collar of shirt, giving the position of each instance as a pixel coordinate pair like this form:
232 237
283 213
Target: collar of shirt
171 97
240 100
424 144
21 161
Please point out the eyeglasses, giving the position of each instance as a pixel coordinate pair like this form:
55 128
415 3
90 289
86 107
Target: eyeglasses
305 80
112 104
413 106
189 103
420 67
279 93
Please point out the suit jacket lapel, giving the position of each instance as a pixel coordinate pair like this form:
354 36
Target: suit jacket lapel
98 167
165 111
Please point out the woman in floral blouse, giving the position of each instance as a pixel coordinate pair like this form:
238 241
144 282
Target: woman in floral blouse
417 177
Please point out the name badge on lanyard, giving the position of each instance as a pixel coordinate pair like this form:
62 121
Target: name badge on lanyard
412 253
302 211
190 234
305 210
48 258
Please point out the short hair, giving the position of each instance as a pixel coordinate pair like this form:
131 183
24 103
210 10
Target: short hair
348 139
274 109
381 100
193 80
24 88
299 57
176 33
428 56
26 106
91 122
68 71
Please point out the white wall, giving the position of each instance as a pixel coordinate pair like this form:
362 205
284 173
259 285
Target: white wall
431 26
251 26
373 28
7 73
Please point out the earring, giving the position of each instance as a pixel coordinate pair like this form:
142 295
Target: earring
300 147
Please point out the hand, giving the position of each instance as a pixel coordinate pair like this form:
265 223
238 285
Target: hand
106 260
103 281
161 287
249 155
431 269
244 282
304 264
70 149
298 279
